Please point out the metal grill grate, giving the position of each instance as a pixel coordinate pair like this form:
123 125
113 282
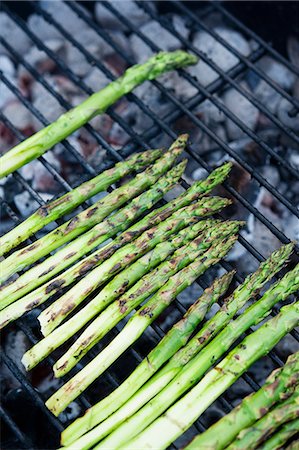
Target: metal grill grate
160 126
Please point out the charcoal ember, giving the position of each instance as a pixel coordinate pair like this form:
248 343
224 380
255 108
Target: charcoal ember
243 109
15 345
277 72
293 157
7 138
156 33
7 66
291 227
199 174
210 112
271 174
118 136
181 87
18 114
26 204
128 8
180 25
14 35
43 29
216 52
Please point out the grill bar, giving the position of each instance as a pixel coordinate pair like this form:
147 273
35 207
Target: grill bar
161 124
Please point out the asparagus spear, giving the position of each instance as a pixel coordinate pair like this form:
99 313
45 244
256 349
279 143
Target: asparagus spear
140 291
135 327
40 142
92 215
192 372
250 287
51 317
279 439
183 413
86 242
250 438
126 215
123 281
280 384
62 205
20 287
176 337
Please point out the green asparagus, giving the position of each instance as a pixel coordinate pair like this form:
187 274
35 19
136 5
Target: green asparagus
51 317
183 413
62 205
250 438
97 103
123 218
85 220
250 287
176 337
135 327
85 243
279 439
14 291
192 371
280 384
140 291
123 281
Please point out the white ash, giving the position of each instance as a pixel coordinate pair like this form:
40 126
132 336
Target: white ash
40 60
199 174
13 34
43 29
67 18
294 158
243 109
46 104
211 112
7 66
181 87
215 51
291 227
271 174
128 8
277 72
96 79
267 95
157 34
18 114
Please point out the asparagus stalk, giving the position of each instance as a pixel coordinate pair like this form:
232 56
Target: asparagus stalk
40 142
92 215
62 205
280 384
192 372
140 291
250 438
250 287
183 413
20 287
87 242
51 317
135 327
176 338
123 281
279 439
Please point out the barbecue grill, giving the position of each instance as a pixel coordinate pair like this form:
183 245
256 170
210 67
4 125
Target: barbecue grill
28 423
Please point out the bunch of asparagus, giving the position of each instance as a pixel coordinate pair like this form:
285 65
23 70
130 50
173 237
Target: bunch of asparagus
150 389
259 415
148 262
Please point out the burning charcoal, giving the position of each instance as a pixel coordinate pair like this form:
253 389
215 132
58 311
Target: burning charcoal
13 34
18 114
199 174
156 33
180 26
293 156
277 72
271 174
210 111
243 109
291 227
43 29
15 345
128 8
217 53
181 87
